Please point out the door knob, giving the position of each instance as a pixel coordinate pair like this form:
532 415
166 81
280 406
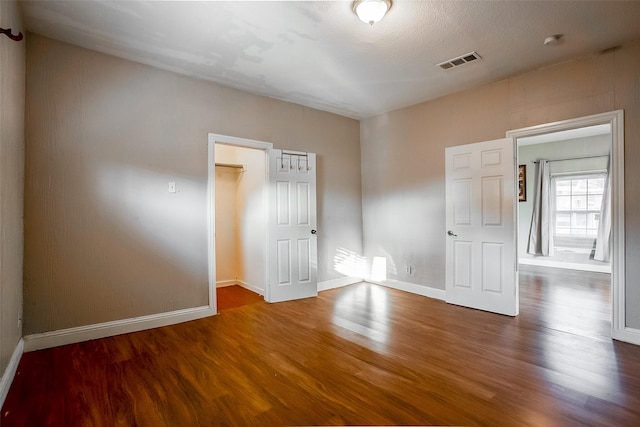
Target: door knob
313 231
452 234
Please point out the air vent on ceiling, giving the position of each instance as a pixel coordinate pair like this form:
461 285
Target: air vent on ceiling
460 60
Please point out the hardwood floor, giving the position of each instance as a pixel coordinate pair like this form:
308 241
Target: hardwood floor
581 305
236 296
362 354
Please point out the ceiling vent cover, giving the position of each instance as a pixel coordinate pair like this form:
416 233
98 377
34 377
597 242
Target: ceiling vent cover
460 60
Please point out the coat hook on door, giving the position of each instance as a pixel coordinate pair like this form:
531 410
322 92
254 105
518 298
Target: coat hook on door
7 32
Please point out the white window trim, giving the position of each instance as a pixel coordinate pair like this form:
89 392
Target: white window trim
572 176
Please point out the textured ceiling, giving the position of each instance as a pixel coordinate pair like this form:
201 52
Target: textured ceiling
318 54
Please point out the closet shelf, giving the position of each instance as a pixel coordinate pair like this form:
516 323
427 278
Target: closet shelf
231 165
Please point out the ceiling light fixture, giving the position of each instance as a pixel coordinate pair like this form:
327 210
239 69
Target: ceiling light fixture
552 40
371 11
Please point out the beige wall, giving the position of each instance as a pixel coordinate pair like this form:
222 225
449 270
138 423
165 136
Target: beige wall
12 75
226 225
104 240
403 156
252 257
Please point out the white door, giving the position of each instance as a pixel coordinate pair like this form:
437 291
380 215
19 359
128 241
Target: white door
292 242
480 217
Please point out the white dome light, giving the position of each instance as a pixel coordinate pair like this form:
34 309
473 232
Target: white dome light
371 11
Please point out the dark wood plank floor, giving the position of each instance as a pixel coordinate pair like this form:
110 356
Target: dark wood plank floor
362 354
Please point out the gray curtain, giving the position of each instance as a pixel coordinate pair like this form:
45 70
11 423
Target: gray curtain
603 242
541 233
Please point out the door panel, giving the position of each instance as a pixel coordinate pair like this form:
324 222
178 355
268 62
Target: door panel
462 264
284 262
462 203
304 203
304 260
282 200
480 213
292 238
492 257
492 201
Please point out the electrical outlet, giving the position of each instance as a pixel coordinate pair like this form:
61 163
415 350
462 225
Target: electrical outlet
19 322
409 270
172 187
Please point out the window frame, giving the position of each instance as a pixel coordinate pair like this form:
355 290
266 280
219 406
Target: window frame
571 239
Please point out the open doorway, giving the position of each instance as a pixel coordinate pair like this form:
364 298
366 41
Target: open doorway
571 277
237 214
577 206
281 237
566 276
240 177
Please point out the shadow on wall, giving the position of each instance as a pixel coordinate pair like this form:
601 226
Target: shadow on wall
406 226
116 245
150 213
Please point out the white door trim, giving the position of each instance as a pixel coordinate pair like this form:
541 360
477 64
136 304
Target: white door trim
214 138
619 330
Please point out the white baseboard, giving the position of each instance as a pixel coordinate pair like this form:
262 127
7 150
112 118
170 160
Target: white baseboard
253 288
116 327
426 291
10 371
567 265
225 283
242 283
325 285
630 335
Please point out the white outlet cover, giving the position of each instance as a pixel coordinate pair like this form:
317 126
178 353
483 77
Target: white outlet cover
172 187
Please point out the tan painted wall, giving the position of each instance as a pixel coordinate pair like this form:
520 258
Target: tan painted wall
12 81
252 257
403 156
226 224
104 240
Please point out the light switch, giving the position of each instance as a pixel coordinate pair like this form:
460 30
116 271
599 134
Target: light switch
172 187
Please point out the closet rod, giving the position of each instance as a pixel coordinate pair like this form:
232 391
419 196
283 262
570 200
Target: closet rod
574 158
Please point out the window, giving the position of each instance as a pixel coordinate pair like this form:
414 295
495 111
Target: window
578 200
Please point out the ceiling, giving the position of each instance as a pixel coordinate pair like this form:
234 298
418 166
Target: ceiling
318 54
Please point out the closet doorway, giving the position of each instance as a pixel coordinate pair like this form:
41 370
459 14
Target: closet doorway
238 261
268 243
600 154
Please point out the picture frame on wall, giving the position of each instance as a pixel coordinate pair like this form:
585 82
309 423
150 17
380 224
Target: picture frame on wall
522 183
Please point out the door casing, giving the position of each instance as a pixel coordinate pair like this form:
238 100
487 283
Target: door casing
615 119
211 197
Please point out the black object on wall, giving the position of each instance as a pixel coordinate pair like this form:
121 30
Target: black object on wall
7 32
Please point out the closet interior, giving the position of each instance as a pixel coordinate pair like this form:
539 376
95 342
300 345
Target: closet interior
240 217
